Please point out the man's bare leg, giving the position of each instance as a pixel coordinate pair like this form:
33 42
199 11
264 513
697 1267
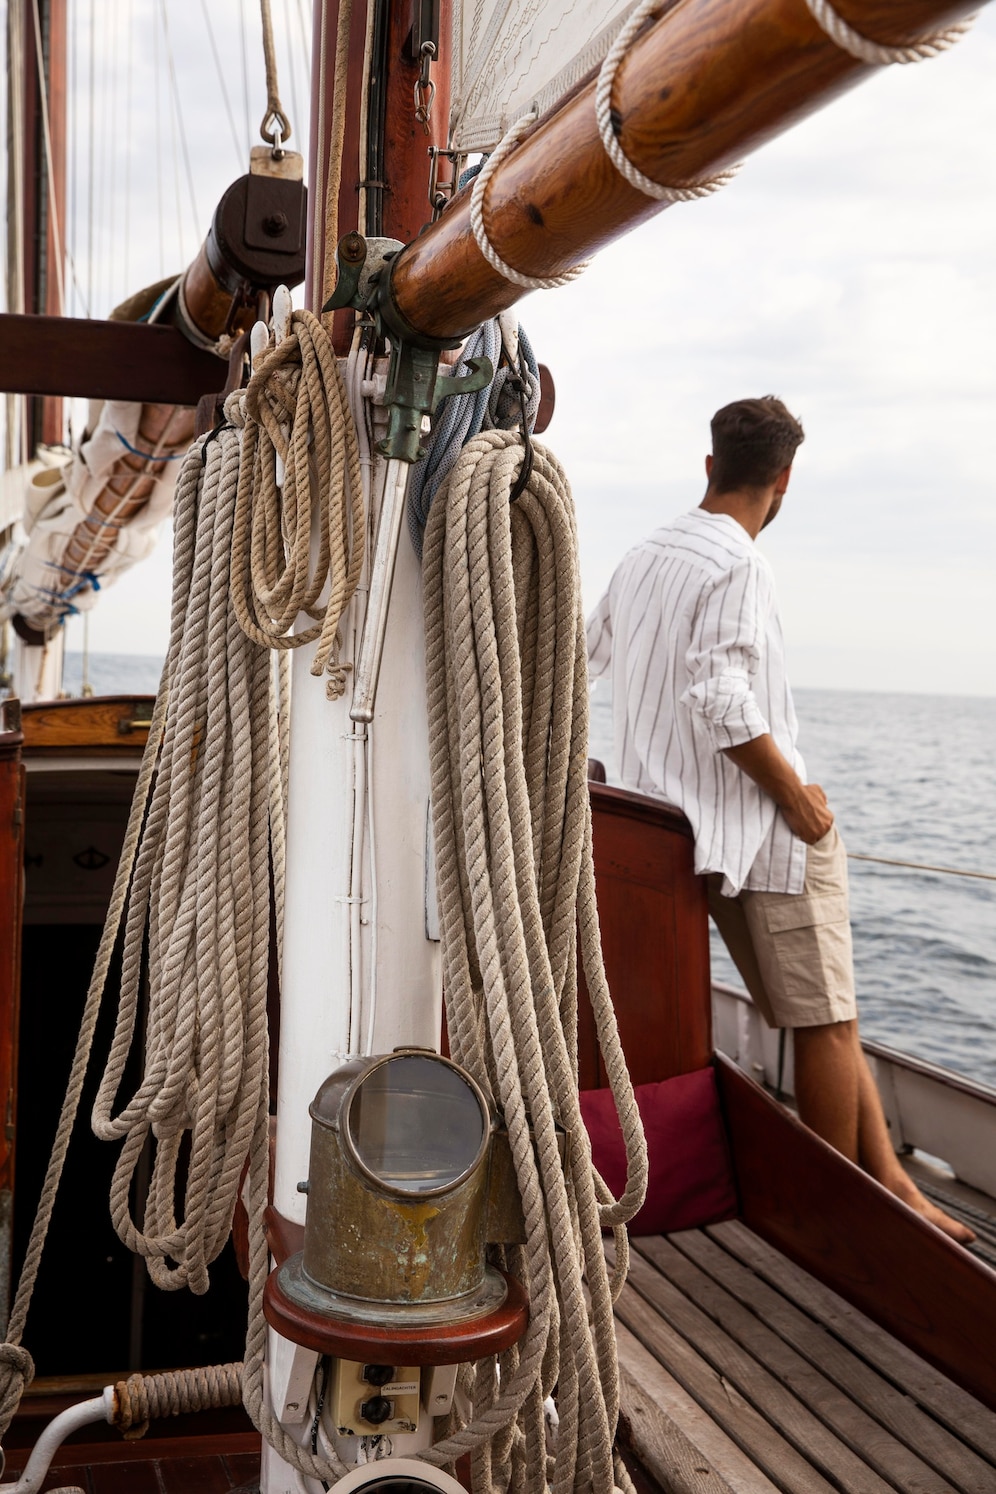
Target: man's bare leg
837 1099
826 1083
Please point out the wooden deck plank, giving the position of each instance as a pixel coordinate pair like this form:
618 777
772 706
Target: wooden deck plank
788 1470
892 1407
674 1439
967 1417
867 1438
784 1410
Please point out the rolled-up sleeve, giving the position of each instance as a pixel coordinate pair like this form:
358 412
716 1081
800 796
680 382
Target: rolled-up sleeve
724 655
598 631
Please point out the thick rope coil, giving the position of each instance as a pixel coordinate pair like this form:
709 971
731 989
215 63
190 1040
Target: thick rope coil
296 407
508 703
199 901
144 1398
687 192
876 54
494 259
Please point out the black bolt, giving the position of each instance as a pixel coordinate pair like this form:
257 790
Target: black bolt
275 225
378 1374
377 1410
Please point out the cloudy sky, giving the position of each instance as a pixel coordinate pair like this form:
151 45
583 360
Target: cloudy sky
850 269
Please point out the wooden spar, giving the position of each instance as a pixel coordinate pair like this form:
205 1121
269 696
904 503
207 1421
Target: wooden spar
700 88
43 196
398 199
104 360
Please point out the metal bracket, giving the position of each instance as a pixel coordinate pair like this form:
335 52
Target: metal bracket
415 386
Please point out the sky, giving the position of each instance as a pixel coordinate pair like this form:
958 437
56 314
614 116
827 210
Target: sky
849 269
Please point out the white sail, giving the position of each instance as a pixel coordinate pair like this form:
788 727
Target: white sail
512 55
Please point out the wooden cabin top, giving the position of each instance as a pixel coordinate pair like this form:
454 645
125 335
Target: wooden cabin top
97 725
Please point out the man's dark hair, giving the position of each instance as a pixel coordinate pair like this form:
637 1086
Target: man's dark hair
752 441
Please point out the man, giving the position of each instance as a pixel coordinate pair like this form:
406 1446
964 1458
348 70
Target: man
703 716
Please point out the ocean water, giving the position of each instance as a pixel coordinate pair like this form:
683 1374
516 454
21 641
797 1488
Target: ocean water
909 777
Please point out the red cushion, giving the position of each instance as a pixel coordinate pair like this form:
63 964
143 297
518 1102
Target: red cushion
691 1175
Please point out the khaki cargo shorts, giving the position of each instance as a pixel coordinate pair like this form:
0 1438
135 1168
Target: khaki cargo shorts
794 950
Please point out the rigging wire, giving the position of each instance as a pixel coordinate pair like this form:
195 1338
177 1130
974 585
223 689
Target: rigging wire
128 138
178 116
90 154
245 72
292 69
220 71
159 143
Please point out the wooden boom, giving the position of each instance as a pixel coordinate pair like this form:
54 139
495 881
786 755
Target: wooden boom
701 87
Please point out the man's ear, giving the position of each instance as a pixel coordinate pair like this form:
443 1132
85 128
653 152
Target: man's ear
708 466
782 480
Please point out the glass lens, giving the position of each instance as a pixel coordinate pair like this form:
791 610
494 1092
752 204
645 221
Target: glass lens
416 1124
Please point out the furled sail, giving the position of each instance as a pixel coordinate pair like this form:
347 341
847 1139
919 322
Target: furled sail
512 55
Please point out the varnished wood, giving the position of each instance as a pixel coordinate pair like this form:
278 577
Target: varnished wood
655 939
108 725
443 1343
830 1217
406 154
703 86
104 360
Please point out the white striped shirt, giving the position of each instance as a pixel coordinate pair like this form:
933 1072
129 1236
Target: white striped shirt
689 633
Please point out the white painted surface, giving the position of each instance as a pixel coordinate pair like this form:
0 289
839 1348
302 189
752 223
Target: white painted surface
926 1107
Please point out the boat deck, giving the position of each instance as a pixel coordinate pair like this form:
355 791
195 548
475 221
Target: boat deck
742 1374
226 1464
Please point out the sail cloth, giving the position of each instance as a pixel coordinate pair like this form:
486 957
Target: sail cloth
510 56
56 502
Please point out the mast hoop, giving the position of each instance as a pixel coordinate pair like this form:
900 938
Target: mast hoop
876 54
685 192
494 259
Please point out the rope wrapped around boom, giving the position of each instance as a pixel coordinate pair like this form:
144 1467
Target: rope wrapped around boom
508 720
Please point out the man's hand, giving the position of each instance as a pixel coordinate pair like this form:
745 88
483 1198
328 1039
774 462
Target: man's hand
808 816
804 805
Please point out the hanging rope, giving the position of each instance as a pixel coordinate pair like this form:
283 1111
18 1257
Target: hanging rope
200 898
608 123
274 127
508 703
494 259
498 407
875 54
297 409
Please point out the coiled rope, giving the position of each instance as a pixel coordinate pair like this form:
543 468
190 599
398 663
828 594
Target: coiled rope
296 407
508 703
199 894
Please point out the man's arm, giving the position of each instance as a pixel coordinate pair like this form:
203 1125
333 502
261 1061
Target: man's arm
804 805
